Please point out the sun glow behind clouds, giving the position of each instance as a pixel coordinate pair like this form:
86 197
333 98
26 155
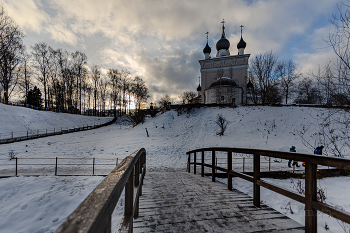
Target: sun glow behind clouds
162 41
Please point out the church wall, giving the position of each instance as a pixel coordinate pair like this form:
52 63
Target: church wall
213 95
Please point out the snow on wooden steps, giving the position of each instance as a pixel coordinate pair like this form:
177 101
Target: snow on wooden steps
183 202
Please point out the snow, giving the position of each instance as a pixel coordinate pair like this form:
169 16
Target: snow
170 137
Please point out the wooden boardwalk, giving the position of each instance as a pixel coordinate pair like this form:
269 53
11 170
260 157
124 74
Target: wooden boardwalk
184 202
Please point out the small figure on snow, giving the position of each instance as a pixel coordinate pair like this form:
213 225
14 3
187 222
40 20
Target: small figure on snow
291 162
317 151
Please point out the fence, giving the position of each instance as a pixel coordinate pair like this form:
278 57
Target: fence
94 213
311 162
57 166
39 133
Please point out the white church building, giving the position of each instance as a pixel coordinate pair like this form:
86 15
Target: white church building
224 77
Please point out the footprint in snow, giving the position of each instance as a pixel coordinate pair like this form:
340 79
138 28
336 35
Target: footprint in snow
24 207
55 219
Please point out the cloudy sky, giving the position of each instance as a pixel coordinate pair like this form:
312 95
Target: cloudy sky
162 40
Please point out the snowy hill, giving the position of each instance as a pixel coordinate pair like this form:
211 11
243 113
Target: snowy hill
170 137
17 119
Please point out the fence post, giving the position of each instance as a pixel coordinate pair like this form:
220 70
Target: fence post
27 134
117 162
213 165
46 132
202 163
256 173
93 166
229 168
269 164
129 196
54 131
195 162
243 163
188 163
56 168
310 196
12 135
16 165
37 133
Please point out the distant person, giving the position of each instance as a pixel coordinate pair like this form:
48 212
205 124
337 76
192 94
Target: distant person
317 151
290 162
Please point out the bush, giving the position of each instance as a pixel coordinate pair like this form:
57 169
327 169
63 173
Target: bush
222 123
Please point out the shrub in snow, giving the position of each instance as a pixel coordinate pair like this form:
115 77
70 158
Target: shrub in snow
222 123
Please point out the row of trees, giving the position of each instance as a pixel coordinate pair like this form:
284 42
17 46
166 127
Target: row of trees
65 79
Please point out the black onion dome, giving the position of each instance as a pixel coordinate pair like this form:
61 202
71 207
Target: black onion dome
223 43
224 81
250 84
199 88
241 44
207 49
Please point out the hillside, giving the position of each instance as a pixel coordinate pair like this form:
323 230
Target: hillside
15 119
170 137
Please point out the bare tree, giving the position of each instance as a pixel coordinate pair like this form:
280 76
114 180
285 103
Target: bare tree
164 100
11 50
25 82
263 67
222 123
80 71
308 93
287 72
41 54
96 74
114 79
187 96
140 91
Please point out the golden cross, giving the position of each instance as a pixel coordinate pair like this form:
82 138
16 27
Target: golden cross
241 29
223 23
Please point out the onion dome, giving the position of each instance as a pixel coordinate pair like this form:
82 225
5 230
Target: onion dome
224 81
241 44
207 49
250 84
223 43
199 88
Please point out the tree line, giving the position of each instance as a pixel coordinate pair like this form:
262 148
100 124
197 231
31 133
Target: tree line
58 79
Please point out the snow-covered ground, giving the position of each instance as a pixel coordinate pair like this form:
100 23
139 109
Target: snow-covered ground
15 120
170 137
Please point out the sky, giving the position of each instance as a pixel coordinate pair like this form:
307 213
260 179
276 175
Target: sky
162 41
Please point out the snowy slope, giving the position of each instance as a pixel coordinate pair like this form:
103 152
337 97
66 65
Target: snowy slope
170 137
20 119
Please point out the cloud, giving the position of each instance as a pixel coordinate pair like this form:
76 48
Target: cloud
163 40
26 14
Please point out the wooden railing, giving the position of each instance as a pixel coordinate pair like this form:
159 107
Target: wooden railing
94 213
311 162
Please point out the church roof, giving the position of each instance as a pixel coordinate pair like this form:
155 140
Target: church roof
241 44
207 49
223 43
224 81
250 84
199 88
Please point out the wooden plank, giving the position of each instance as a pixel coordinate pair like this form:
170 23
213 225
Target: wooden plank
331 211
292 195
310 197
256 189
213 166
229 168
199 205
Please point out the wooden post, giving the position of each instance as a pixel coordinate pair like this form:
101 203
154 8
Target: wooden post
202 163
213 166
256 195
195 163
129 196
269 164
310 196
188 163
93 166
16 165
56 168
243 163
229 168
137 173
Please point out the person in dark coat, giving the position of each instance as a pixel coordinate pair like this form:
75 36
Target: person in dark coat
317 151
290 162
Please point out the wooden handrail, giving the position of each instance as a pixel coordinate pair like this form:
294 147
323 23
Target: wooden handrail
311 162
94 213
